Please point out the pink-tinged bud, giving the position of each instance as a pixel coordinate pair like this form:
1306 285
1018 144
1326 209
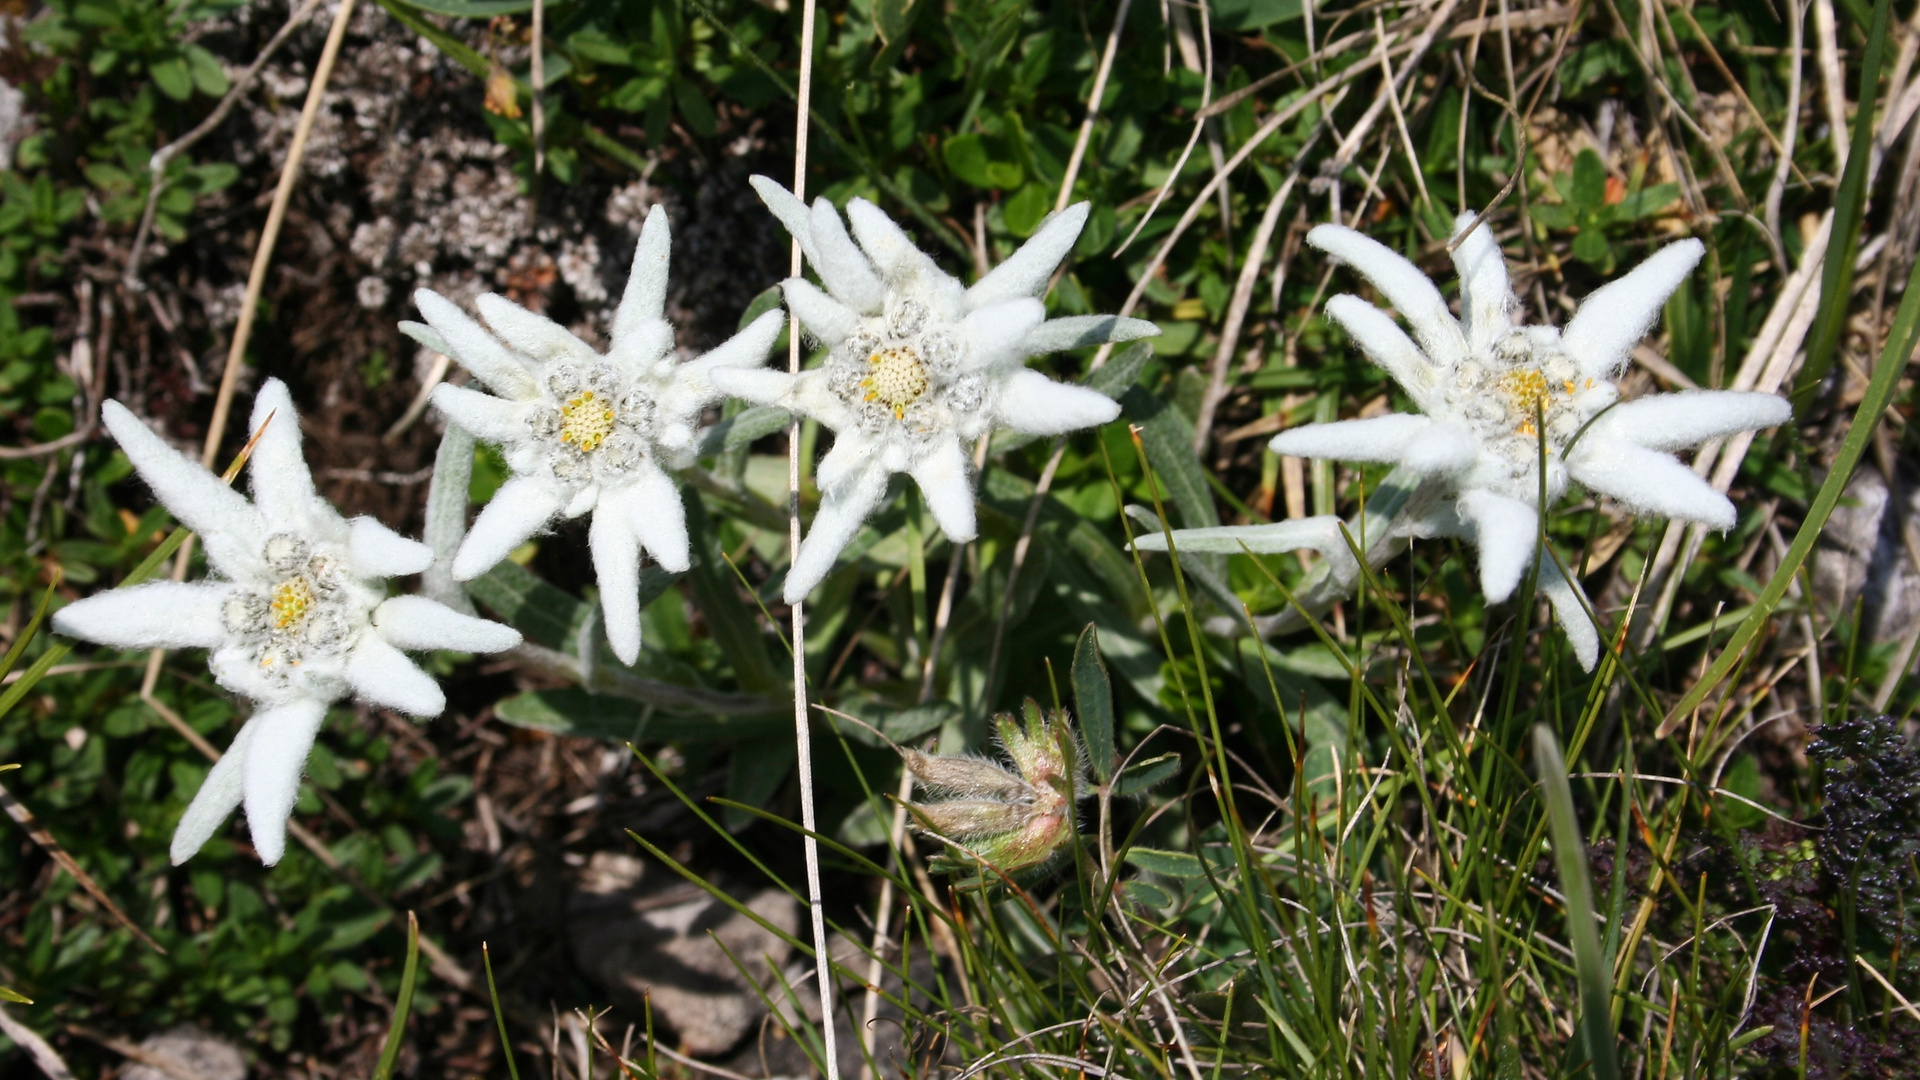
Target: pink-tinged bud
1017 819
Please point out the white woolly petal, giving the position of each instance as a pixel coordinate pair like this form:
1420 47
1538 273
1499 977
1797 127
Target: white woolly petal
847 273
997 334
616 563
1321 534
659 518
1377 438
277 471
791 212
746 349
532 334
644 346
275 759
1418 301
1618 314
1507 533
645 299
159 614
693 387
1570 611
1026 271
853 450
1442 448
1388 346
760 386
197 498
1688 418
219 795
1031 403
583 500
1486 293
824 317
382 675
942 476
477 350
842 511
377 551
415 622
518 510
487 418
893 252
1648 481
1080 331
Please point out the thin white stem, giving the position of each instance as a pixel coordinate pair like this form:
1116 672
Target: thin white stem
802 727
539 76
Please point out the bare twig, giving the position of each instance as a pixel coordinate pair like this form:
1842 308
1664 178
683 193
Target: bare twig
25 819
1093 107
37 1048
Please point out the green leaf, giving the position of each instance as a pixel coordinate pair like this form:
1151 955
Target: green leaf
1589 181
1147 894
1590 246
471 9
544 614
208 73
172 76
695 109
1093 700
596 46
975 161
1027 208
1142 776
578 714
1176 864
893 18
966 158
1252 14
1168 438
755 770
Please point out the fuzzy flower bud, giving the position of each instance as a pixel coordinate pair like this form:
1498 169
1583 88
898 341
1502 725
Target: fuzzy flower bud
1010 819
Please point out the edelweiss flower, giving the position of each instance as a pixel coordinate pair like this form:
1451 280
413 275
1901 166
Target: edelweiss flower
297 618
584 432
919 364
1486 387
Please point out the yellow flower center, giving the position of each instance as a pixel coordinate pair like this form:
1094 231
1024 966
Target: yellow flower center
292 599
897 380
586 421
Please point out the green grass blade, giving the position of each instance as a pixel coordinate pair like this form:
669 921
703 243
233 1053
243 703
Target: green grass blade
1901 342
500 1019
403 1004
1849 210
1570 855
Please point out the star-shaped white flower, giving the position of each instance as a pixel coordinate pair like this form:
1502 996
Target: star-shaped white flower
587 433
1485 386
296 618
919 364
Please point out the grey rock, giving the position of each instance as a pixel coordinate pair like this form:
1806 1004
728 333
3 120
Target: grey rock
670 942
195 1051
1861 557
